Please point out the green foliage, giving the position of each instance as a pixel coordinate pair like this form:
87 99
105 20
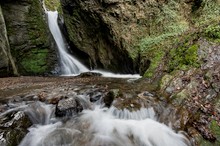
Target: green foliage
216 130
207 12
213 31
183 57
53 5
166 24
35 61
155 58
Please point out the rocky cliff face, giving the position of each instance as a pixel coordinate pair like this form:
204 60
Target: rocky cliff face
104 30
29 37
135 35
7 65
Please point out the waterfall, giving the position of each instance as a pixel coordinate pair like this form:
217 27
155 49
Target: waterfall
69 64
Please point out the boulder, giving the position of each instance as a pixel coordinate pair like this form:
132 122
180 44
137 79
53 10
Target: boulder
13 128
68 107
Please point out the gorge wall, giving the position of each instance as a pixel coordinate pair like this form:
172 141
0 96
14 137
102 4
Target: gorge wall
110 31
7 65
134 35
28 37
100 29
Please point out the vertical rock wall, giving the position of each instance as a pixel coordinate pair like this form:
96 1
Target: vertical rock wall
7 65
29 36
94 30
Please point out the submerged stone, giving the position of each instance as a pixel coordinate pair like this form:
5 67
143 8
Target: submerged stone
95 97
90 74
108 99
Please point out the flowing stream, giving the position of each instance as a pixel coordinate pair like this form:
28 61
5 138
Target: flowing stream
89 121
99 126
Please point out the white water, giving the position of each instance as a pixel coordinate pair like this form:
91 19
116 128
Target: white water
111 75
100 127
70 66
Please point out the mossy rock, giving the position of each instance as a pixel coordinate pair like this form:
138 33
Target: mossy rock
31 43
166 79
184 57
35 61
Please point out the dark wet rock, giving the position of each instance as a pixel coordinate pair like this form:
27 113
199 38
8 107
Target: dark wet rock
90 74
108 98
205 132
95 97
13 128
68 107
144 65
146 93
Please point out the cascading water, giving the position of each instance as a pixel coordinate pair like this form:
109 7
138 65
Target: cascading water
69 64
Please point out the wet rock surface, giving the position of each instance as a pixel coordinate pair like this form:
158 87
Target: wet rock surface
13 128
89 74
68 107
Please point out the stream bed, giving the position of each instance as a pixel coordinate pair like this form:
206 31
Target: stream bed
86 111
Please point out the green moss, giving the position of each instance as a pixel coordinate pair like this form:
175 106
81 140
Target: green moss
165 81
53 5
36 24
213 32
155 60
35 61
167 23
183 57
215 128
